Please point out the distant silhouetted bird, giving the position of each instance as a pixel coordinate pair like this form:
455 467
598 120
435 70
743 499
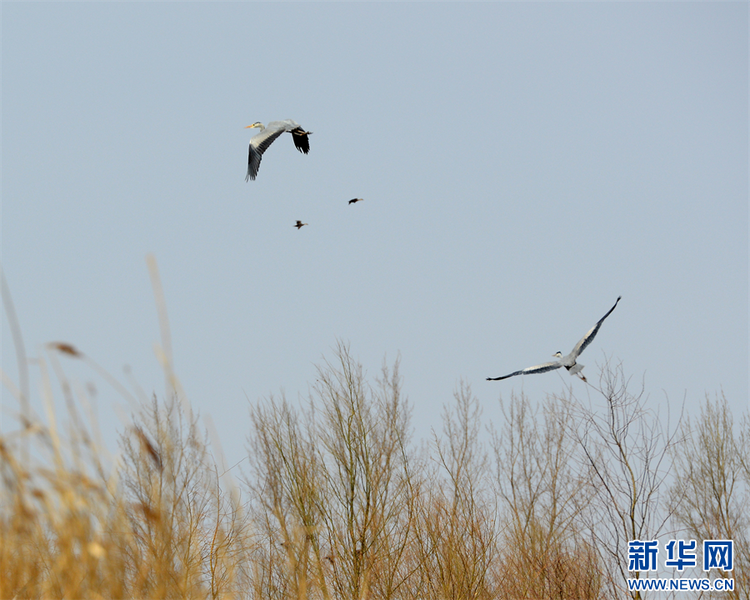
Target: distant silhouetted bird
353 200
569 361
260 143
299 225
65 348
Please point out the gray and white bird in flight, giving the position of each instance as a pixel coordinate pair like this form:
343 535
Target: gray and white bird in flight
259 143
569 361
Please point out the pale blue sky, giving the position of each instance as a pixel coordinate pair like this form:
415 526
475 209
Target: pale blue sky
522 165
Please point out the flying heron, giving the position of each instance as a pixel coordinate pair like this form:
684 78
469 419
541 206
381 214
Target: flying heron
569 361
299 225
259 143
353 200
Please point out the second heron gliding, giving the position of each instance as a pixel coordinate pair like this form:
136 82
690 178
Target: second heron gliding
569 361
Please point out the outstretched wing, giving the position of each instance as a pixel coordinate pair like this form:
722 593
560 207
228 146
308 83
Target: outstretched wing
591 334
301 142
258 145
550 366
299 135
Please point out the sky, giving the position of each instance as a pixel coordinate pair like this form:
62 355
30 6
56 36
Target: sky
522 165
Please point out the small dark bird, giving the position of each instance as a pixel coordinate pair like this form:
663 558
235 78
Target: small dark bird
66 348
299 225
353 200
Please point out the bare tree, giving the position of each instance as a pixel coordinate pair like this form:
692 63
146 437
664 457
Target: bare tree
288 483
544 551
455 529
363 432
335 487
187 534
625 458
710 495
